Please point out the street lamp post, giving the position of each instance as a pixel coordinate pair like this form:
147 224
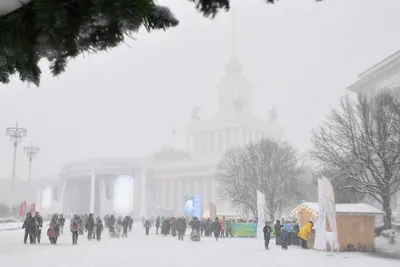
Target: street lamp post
16 134
31 151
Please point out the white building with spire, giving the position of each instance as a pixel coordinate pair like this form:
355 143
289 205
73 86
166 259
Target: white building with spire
164 181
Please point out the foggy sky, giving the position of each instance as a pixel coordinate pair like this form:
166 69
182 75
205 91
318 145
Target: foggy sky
299 56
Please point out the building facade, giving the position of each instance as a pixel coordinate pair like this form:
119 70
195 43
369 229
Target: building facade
384 75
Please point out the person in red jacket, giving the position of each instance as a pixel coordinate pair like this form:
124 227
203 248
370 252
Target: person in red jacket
222 222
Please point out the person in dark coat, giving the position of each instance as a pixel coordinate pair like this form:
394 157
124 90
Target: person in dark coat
90 226
157 224
216 228
125 225
207 227
173 226
195 224
54 230
111 224
267 234
284 238
166 226
130 223
74 227
181 227
39 225
295 237
62 223
81 224
147 225
99 228
277 229
30 227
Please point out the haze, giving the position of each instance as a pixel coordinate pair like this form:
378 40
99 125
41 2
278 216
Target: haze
299 55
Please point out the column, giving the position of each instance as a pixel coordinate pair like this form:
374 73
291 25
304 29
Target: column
163 193
206 142
171 194
159 192
259 136
215 135
227 140
92 189
191 143
188 143
143 202
196 187
213 191
218 141
211 143
179 197
186 187
236 137
205 197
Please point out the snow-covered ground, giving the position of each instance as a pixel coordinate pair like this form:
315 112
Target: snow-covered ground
10 226
160 251
15 225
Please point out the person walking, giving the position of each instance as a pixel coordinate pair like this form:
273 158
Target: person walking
267 234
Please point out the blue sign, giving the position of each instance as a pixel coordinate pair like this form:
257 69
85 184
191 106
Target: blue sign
193 206
197 206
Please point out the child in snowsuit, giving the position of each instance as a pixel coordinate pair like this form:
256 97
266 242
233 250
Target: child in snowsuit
284 238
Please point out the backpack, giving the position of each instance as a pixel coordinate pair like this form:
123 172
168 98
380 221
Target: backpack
50 232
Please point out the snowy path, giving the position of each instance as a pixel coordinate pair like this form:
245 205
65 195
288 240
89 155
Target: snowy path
159 251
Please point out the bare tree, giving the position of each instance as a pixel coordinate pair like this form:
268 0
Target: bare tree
360 144
268 166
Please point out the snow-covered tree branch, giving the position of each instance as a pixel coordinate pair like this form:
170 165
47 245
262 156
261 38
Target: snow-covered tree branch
268 166
358 146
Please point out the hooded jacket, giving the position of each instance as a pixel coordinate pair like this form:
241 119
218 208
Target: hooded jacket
305 231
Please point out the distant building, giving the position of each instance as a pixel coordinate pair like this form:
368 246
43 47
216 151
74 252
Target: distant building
163 182
384 75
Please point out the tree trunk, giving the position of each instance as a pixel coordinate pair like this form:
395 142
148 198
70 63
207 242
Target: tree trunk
271 214
388 211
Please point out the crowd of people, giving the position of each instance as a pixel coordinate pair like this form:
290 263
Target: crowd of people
284 238
175 226
79 224
206 227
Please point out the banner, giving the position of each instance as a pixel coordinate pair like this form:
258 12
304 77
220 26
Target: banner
213 210
330 205
245 229
320 224
260 215
22 209
33 208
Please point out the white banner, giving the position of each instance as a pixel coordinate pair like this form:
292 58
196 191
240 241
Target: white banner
260 215
320 225
330 205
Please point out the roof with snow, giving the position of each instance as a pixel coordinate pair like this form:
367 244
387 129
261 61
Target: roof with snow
354 209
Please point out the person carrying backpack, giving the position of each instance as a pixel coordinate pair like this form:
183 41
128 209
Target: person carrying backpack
75 227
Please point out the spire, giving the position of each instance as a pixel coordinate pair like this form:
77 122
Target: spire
234 66
234 37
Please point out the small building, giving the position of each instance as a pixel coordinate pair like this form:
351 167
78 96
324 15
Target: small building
355 224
